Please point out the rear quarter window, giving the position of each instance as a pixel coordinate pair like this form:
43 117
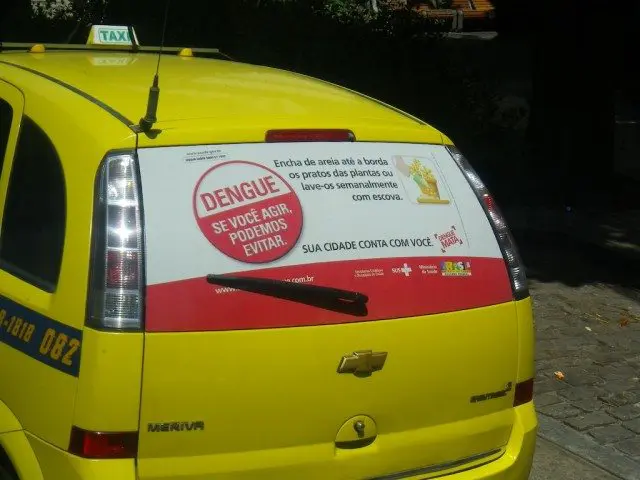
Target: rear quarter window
33 228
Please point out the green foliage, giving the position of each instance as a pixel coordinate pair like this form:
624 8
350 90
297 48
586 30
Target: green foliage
389 19
80 10
349 12
406 25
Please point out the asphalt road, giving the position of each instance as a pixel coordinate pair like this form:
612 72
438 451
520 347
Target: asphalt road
552 462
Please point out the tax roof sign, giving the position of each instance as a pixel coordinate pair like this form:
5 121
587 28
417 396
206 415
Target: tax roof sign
115 35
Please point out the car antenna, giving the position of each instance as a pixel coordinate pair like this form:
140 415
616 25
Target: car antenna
146 122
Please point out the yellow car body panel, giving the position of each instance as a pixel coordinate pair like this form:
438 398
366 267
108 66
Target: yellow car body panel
512 462
8 421
427 372
225 93
115 391
37 460
222 101
526 339
88 103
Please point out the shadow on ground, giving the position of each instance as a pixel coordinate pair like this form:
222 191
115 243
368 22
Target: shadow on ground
558 257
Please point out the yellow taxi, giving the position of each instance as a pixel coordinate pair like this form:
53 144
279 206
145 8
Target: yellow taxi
214 270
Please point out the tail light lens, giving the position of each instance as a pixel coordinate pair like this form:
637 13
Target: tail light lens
116 283
99 445
519 283
524 393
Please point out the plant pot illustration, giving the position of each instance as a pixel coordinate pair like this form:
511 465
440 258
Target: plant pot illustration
423 178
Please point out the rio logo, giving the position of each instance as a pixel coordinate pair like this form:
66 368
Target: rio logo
456 269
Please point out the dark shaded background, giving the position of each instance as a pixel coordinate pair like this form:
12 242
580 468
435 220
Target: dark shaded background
558 66
567 59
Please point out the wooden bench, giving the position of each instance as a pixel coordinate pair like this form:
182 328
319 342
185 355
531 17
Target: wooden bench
471 10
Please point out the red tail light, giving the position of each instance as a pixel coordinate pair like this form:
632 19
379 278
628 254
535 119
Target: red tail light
103 445
122 269
523 393
313 135
489 202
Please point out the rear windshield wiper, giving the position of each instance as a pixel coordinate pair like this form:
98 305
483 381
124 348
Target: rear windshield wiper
334 299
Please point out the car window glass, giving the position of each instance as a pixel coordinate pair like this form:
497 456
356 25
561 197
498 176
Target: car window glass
33 228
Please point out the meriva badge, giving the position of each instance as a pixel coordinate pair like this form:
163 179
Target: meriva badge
175 426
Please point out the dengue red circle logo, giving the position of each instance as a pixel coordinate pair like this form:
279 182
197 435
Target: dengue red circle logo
247 211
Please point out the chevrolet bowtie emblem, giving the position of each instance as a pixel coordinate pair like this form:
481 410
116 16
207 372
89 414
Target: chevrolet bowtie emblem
362 363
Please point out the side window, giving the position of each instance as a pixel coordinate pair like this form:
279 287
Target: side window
33 228
6 115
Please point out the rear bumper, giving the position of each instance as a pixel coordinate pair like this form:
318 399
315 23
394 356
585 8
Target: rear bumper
514 464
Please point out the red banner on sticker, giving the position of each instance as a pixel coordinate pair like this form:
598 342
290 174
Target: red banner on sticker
395 287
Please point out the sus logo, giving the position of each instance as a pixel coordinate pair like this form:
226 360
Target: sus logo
448 239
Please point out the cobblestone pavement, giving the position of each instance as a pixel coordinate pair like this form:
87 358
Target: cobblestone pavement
553 462
587 314
590 336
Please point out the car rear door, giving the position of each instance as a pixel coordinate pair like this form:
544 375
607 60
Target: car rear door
409 365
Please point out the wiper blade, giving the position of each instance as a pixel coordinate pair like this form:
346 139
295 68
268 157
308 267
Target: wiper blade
334 299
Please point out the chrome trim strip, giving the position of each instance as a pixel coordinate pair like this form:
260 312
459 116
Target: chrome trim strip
439 467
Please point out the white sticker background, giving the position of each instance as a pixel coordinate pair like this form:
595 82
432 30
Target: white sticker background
178 250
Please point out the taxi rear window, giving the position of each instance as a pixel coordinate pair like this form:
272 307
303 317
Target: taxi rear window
385 220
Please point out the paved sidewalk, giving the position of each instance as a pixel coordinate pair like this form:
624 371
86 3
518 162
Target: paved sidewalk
554 463
585 283
588 368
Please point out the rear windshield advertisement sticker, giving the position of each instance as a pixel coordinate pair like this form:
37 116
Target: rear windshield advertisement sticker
379 219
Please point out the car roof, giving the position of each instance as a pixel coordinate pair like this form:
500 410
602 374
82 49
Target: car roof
193 88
